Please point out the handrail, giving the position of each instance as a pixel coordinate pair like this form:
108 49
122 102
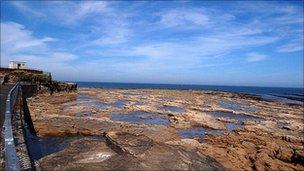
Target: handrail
11 159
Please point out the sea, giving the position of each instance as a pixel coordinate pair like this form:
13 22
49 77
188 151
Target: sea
288 95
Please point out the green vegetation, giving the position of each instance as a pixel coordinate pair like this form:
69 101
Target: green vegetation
41 79
44 81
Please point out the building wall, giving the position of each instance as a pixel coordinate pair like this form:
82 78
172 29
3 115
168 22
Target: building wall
14 65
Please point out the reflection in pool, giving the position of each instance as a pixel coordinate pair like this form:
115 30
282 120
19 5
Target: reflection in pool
173 109
39 147
233 126
86 100
120 104
200 132
84 113
231 115
140 117
233 105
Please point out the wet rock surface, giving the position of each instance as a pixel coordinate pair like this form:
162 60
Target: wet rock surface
168 129
140 117
125 151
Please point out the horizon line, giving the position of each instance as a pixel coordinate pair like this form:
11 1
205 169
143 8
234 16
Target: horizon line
184 84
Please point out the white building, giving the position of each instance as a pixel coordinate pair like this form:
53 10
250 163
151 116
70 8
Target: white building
17 65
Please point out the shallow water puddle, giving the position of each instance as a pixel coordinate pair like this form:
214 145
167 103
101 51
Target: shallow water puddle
139 103
99 156
192 132
140 117
174 109
202 132
233 126
282 98
132 94
238 117
84 113
120 104
197 132
85 100
40 147
232 105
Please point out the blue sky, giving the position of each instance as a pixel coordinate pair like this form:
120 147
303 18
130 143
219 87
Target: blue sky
212 43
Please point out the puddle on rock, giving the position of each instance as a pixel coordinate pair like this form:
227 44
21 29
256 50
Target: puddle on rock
238 117
120 104
200 132
192 132
233 105
233 126
98 156
84 113
282 99
139 103
40 147
87 101
141 117
173 109
131 94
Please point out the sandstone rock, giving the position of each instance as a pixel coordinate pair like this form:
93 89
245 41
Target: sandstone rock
124 151
258 146
188 143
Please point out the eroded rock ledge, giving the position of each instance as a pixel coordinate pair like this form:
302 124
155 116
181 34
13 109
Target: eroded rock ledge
125 151
169 129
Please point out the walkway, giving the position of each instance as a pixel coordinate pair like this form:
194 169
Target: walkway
4 89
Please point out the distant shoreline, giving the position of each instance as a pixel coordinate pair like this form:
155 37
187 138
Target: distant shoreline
287 95
181 84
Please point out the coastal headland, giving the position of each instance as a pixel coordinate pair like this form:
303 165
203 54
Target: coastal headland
164 129
93 85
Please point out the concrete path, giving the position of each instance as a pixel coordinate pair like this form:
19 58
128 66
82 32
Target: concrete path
4 89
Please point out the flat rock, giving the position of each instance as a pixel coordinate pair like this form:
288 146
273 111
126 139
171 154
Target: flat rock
125 151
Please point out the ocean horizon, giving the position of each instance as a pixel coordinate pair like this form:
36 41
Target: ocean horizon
286 94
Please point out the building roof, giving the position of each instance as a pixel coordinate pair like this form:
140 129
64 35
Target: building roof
18 61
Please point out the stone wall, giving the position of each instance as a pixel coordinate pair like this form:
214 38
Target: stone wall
43 81
5 71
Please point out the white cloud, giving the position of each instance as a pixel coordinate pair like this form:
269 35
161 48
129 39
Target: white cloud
67 13
182 17
293 46
62 57
48 61
255 57
72 13
25 9
18 43
88 7
290 14
204 46
58 63
14 38
113 36
164 39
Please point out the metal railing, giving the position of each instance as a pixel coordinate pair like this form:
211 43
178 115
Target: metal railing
1 80
11 158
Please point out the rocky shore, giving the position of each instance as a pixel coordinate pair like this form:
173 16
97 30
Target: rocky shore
166 129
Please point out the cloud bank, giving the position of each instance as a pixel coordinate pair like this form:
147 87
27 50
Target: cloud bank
159 42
